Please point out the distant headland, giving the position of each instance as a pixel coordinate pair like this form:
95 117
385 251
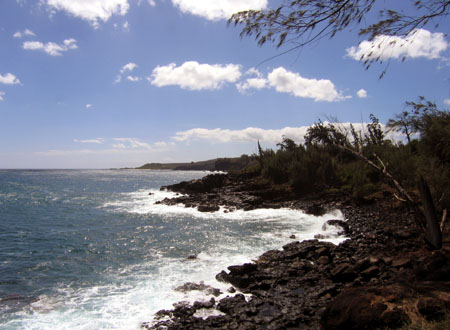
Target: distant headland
217 164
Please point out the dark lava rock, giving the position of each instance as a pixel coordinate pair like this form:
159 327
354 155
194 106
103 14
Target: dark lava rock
208 208
337 223
383 276
357 308
203 185
344 272
207 289
229 303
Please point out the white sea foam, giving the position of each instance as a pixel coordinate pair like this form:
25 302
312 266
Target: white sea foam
134 293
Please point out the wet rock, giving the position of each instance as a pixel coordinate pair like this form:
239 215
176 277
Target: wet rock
230 303
337 223
315 209
208 208
292 288
204 304
207 289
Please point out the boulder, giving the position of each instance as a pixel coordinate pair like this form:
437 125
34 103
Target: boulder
344 272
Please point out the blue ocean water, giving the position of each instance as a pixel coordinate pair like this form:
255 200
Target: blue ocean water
90 249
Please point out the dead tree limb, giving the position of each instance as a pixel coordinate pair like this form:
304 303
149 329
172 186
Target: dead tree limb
433 233
443 221
382 169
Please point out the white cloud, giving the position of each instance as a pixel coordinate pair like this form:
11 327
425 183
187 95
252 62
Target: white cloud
128 67
133 78
255 83
195 76
447 101
253 134
163 144
419 43
249 134
88 106
152 3
96 141
51 48
119 146
9 79
362 93
289 82
132 143
26 32
126 25
1 95
218 9
92 11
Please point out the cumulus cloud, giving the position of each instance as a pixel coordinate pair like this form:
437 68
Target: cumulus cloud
256 82
88 106
92 11
96 141
152 3
249 134
217 9
51 48
195 76
271 136
362 93
251 83
26 32
289 82
1 95
419 43
9 79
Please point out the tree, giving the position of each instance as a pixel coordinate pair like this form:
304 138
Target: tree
404 123
287 144
302 22
334 137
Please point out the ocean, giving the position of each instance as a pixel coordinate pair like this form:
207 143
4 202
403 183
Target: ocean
90 249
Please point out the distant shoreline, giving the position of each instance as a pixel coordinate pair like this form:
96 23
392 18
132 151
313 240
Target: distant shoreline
212 165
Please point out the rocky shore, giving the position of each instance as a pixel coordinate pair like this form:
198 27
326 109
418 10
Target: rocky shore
382 277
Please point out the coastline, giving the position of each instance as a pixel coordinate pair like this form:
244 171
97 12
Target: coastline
364 282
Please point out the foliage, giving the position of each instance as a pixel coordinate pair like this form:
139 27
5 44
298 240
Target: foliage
301 22
330 158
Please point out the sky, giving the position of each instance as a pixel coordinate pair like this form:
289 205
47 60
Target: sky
121 83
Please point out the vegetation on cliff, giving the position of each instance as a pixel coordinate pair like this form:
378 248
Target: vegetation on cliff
218 164
363 163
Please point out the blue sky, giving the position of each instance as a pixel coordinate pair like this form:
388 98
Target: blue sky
120 83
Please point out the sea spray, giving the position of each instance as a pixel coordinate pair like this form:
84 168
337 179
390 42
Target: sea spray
101 254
